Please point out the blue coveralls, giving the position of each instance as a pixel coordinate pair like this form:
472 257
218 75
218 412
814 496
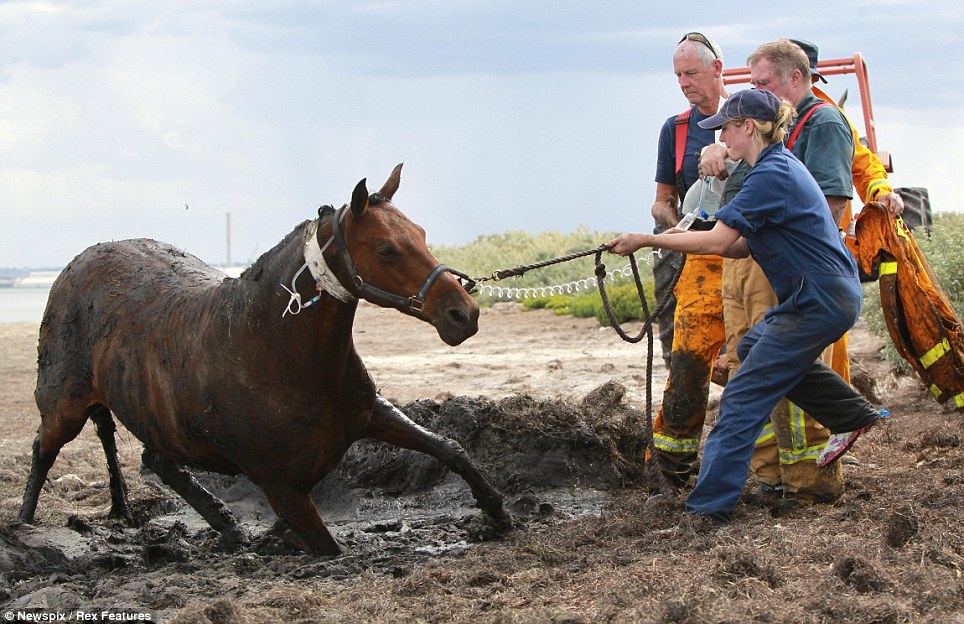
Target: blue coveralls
783 215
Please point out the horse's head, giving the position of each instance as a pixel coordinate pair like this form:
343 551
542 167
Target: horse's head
385 260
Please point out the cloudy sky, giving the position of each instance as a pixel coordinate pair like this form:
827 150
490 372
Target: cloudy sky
157 119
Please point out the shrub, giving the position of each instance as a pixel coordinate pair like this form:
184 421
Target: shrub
585 306
558 303
624 301
494 252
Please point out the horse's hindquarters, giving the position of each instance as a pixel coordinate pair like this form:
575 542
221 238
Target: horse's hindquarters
122 322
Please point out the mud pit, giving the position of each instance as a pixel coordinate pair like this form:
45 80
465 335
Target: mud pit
552 410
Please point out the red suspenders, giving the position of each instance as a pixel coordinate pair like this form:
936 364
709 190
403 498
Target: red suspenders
682 126
803 120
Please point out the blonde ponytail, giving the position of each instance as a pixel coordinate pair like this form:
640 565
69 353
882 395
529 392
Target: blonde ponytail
774 131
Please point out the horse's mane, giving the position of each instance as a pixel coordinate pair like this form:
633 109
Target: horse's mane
255 271
257 268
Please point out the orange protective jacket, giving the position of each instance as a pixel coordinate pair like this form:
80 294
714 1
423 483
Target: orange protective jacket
922 324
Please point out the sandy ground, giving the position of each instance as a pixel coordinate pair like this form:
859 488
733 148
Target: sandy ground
516 351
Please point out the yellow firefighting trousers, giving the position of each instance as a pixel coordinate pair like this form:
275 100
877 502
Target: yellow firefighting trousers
697 339
787 450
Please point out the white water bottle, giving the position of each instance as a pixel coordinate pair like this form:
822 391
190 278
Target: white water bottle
698 211
691 216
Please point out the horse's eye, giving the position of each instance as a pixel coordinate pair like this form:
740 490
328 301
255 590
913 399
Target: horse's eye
386 252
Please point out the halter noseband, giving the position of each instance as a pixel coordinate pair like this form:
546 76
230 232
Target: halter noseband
408 305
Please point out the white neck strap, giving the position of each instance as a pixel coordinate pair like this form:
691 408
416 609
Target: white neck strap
315 259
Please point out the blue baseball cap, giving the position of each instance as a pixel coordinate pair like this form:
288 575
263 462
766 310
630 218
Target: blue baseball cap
747 104
812 52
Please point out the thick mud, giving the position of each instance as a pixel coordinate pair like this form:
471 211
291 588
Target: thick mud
390 508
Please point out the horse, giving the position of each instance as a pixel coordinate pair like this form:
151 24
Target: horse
217 374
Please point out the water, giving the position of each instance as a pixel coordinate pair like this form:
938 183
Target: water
23 304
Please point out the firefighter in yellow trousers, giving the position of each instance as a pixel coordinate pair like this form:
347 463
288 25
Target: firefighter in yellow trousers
698 321
698 335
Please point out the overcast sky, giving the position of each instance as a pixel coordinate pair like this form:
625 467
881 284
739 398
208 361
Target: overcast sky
156 119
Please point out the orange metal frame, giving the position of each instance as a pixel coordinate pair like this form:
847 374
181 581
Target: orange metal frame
854 65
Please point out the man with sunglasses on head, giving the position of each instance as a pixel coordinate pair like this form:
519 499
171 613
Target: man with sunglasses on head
698 333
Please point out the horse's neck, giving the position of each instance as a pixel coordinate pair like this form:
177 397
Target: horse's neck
315 344
266 294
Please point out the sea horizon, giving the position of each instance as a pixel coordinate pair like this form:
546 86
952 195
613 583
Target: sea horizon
23 304
23 298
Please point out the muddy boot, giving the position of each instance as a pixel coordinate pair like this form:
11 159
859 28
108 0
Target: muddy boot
770 491
807 483
669 473
765 463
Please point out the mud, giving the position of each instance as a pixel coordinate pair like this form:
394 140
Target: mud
392 509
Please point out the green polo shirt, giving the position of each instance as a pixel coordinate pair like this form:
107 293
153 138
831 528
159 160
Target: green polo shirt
825 146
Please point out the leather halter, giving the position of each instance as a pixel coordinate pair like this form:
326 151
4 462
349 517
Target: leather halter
409 305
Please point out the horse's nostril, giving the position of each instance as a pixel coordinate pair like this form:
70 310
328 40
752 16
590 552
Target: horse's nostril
458 316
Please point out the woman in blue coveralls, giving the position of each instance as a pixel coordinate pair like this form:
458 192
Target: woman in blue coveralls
781 217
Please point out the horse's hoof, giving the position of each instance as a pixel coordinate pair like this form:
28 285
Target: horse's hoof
127 518
293 541
528 506
484 527
234 539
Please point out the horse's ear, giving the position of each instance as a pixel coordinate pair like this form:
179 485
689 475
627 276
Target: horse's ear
391 185
359 198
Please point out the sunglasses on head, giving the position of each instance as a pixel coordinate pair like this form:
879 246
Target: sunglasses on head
701 38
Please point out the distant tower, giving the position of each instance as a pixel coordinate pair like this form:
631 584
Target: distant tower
228 260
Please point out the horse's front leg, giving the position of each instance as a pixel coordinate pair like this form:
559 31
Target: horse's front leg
390 425
297 512
204 502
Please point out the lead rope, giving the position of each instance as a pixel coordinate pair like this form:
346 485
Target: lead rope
651 467
646 330
521 270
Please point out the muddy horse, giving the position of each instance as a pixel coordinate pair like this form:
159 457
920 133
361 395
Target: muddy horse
218 374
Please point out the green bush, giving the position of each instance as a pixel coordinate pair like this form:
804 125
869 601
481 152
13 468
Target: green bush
623 299
559 303
944 251
586 305
495 252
